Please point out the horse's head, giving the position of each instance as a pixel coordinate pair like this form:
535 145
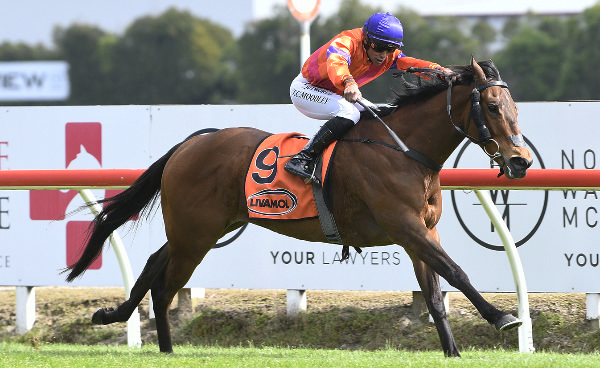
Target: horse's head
478 105
494 116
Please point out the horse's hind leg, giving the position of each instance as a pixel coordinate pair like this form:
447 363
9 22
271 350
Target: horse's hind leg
180 267
161 302
430 286
155 264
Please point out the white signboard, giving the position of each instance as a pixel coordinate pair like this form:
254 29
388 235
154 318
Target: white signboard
555 231
34 81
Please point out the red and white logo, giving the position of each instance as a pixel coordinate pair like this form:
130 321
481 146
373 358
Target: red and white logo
83 150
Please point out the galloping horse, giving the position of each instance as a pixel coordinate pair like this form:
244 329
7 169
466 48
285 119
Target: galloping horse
381 197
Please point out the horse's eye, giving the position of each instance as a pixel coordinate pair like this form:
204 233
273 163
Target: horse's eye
493 108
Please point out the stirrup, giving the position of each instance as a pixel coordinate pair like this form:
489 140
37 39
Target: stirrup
313 178
301 172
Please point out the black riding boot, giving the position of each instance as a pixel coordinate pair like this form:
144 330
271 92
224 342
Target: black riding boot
302 164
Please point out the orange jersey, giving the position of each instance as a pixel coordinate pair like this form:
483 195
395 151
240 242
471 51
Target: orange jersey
344 58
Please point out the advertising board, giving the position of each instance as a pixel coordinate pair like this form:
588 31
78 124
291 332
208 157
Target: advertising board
555 231
34 81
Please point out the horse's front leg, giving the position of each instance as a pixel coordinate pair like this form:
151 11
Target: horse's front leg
429 282
420 242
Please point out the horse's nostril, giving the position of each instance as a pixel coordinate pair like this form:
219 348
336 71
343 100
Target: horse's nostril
520 163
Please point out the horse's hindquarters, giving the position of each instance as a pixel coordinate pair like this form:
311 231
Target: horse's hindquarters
202 191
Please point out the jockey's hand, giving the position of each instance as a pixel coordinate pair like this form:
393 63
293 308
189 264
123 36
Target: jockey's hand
352 93
447 72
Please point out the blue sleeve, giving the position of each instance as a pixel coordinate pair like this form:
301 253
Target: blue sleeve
395 63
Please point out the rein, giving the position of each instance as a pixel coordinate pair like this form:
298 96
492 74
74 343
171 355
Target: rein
475 114
415 155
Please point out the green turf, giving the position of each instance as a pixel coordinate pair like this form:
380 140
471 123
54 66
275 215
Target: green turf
63 356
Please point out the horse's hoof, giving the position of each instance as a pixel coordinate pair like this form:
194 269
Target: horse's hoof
99 317
508 321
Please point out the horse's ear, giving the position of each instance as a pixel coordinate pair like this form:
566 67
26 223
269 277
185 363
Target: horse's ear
478 72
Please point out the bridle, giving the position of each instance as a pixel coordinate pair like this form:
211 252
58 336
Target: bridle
476 114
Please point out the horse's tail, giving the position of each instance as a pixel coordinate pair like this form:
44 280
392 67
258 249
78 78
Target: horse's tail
138 198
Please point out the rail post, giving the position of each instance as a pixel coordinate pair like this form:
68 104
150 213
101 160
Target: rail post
25 300
525 330
133 324
296 302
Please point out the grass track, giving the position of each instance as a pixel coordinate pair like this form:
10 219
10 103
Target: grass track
64 356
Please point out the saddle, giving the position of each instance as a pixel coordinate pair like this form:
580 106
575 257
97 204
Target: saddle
271 192
274 194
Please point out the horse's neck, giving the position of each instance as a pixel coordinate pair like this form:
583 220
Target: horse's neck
426 127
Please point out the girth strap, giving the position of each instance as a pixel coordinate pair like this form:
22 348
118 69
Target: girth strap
326 216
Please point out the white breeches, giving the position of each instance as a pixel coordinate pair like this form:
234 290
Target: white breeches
320 103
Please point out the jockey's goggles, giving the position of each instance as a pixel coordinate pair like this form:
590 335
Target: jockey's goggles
379 46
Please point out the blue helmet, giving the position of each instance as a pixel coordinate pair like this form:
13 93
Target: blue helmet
385 28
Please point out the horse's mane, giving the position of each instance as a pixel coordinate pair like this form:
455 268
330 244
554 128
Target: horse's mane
413 88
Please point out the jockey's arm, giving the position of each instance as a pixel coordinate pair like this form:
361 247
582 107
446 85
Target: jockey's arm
404 62
339 74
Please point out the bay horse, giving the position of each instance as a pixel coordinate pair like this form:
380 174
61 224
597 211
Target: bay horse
381 195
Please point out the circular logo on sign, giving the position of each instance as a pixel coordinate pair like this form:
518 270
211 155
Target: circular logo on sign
521 210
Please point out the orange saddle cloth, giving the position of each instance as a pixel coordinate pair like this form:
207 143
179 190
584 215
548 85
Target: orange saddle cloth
273 193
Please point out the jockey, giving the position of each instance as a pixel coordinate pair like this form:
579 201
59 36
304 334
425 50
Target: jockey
327 87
